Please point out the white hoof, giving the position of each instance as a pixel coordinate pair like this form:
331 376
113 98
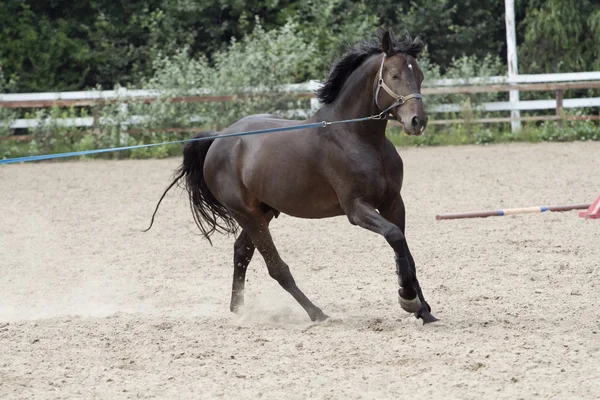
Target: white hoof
410 306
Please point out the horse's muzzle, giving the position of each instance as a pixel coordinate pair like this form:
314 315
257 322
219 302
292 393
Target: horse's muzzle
416 126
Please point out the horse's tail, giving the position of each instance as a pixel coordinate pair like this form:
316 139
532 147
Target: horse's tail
209 214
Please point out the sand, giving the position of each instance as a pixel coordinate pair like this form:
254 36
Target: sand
90 307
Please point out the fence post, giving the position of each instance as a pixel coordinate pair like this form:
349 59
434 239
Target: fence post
96 118
559 106
511 55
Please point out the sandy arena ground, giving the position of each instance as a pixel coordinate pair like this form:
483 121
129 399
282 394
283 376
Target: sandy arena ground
90 307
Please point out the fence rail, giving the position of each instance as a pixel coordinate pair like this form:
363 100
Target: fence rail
543 82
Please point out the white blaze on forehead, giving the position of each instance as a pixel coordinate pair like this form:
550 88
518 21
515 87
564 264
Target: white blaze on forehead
410 66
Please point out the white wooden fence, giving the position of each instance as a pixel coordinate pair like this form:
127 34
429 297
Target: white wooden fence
557 82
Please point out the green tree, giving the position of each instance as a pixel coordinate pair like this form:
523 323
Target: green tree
77 44
39 52
70 45
560 36
451 29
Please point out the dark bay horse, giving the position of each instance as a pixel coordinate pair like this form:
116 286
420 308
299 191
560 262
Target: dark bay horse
347 169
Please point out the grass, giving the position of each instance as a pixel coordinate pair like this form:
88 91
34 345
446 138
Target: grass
459 134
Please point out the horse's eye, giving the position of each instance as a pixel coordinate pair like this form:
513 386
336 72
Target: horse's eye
394 76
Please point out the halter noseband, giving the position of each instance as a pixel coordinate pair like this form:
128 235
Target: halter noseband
398 99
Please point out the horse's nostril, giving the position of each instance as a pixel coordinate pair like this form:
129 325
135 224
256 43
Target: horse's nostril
415 122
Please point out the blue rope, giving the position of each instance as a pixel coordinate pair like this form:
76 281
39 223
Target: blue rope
321 124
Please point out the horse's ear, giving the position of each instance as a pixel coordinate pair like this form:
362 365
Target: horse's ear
387 45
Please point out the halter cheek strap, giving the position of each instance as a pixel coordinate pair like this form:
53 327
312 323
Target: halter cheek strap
398 99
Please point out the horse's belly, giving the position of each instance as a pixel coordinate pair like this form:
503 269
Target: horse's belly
300 198
313 210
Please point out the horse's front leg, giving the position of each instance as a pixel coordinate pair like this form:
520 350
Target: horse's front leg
365 216
396 214
410 295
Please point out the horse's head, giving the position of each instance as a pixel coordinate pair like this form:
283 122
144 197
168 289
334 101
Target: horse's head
398 86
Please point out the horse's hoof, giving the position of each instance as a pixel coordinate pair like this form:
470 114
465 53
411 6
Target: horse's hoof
235 307
426 317
319 317
424 313
410 306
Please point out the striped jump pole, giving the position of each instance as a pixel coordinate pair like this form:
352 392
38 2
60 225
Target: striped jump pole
512 211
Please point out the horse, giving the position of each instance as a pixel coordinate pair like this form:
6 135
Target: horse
239 184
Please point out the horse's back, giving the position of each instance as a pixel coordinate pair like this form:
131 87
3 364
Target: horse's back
247 146
229 153
259 121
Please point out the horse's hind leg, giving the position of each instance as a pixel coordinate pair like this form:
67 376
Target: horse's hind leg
243 250
256 224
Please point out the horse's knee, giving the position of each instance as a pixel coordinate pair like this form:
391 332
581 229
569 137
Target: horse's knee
394 237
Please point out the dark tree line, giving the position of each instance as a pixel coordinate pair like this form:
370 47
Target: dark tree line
71 45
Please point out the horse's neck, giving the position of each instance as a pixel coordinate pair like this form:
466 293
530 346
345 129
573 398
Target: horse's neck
356 100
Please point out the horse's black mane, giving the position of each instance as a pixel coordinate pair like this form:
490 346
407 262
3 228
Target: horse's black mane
356 55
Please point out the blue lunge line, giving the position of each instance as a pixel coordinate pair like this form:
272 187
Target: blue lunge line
321 124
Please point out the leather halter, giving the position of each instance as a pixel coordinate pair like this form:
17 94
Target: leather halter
398 99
